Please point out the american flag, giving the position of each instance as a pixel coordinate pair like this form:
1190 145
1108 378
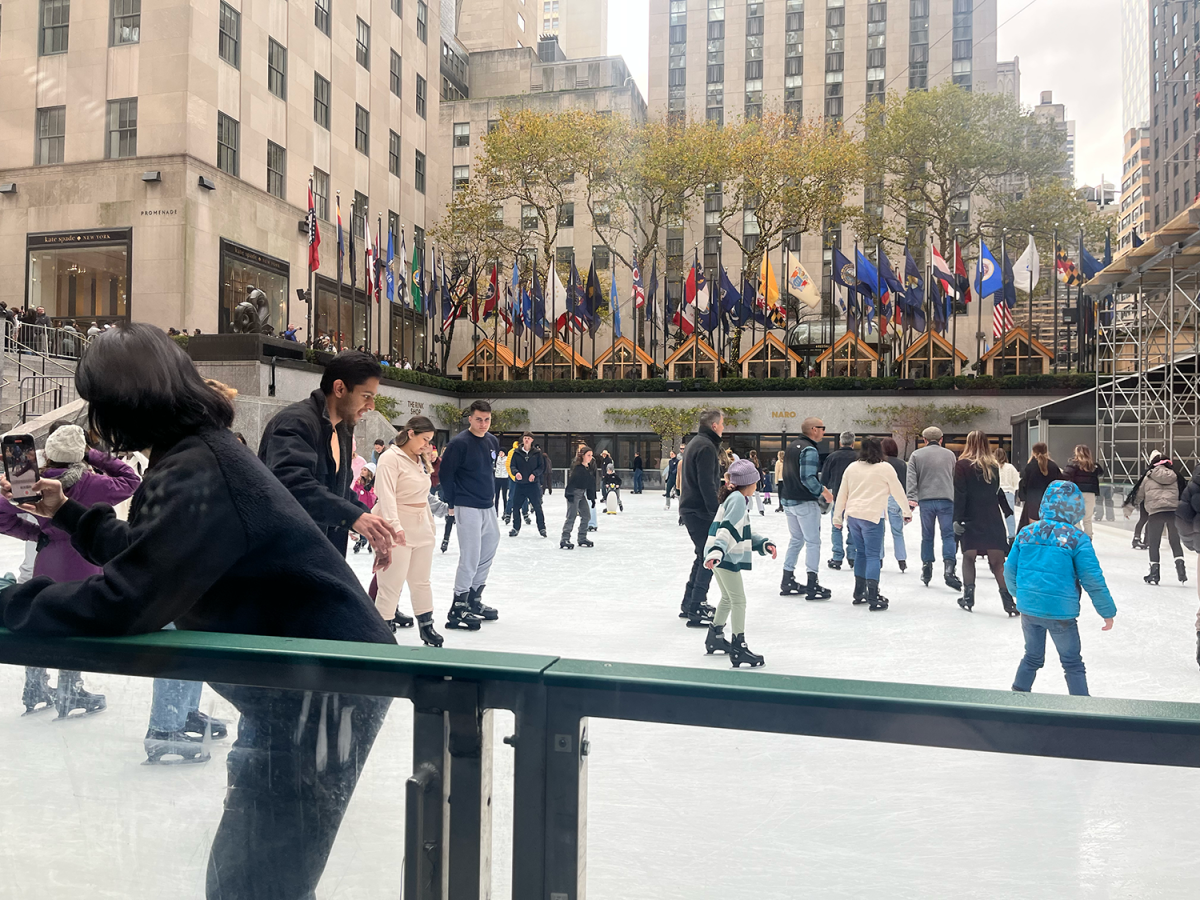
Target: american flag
1002 320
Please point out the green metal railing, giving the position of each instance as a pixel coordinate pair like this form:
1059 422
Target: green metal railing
454 691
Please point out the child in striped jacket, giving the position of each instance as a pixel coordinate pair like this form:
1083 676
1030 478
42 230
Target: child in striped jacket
728 551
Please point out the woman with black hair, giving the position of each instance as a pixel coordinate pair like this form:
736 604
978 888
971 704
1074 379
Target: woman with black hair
214 543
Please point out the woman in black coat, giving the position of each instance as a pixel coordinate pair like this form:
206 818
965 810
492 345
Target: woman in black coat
581 498
215 543
980 508
1040 472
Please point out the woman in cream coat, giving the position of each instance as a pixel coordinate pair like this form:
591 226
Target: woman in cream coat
402 489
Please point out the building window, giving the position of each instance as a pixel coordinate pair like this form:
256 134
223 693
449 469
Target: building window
462 177
566 215
394 228
55 22
462 134
126 21
277 69
358 215
362 44
529 217
422 21
320 101
520 22
419 172
362 130
421 96
321 194
394 153
394 76
601 215
122 128
51 135
602 257
227 144
321 15
398 7
231 35
79 275
244 270
276 170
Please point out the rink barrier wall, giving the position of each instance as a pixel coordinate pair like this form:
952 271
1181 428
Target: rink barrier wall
454 691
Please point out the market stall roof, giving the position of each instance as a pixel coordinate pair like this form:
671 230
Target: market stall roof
1173 248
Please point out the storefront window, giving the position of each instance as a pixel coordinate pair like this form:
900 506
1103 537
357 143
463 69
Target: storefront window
80 275
327 324
360 322
245 271
408 335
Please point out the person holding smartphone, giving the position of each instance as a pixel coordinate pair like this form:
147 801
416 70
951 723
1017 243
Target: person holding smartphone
215 544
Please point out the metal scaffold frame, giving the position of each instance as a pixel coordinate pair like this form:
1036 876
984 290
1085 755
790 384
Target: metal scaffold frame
1147 390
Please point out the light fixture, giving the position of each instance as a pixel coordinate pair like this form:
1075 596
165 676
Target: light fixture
207 184
303 226
8 187
151 176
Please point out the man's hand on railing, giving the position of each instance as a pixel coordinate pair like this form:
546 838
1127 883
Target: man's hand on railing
52 496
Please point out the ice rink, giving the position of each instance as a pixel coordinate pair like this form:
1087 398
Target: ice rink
677 813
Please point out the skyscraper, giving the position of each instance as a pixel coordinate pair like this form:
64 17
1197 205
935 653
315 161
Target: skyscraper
1172 71
1056 115
1135 74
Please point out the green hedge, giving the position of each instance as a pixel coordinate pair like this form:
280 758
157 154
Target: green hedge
1007 384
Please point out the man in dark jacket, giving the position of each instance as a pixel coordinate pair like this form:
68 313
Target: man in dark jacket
528 470
801 494
638 469
309 446
697 508
468 487
832 471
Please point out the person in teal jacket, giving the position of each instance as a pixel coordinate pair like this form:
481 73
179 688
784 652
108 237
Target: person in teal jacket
1051 561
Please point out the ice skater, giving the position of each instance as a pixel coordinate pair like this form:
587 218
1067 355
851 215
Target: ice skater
1159 493
364 490
801 496
728 552
466 477
1010 480
698 505
1128 504
1040 472
931 487
669 471
1049 563
581 498
528 468
1085 473
895 512
612 491
980 508
832 471
638 470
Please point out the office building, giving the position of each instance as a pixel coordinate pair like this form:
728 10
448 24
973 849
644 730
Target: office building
1173 69
581 26
1008 78
1135 75
1135 187
1056 114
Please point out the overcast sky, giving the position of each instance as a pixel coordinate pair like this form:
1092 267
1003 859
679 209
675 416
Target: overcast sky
1070 47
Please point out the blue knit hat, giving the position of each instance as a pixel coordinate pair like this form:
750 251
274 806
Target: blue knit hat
742 473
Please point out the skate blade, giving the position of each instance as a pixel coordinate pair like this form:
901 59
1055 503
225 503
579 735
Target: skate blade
176 759
80 714
38 709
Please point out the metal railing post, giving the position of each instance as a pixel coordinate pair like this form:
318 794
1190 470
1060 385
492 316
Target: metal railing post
469 779
566 799
424 864
529 794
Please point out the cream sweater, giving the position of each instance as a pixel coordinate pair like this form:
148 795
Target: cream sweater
1010 478
865 490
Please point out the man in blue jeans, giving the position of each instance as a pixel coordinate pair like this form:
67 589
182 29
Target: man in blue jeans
800 494
831 476
931 486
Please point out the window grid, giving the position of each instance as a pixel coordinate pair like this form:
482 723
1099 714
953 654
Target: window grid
362 130
394 77
126 21
321 101
358 217
276 170
419 172
462 134
321 15
51 135
421 96
122 128
394 153
231 33
398 7
227 144
422 21
321 194
462 177
362 45
55 27
277 69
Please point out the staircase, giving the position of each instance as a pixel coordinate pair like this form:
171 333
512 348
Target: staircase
38 372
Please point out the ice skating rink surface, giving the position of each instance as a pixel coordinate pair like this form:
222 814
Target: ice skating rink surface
677 813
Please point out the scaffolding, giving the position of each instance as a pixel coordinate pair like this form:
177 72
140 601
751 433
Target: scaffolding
1148 341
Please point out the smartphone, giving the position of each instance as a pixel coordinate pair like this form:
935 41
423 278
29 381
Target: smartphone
20 466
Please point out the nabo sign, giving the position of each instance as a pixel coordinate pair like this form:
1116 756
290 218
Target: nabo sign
782 414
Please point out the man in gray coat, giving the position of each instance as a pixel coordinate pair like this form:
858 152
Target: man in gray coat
931 486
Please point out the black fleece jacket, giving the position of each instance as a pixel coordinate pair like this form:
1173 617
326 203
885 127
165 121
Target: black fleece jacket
583 480
530 464
701 475
213 543
296 446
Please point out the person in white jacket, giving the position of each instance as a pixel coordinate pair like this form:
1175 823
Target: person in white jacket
862 504
1010 480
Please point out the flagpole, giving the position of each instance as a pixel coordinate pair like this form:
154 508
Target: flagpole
1055 289
495 317
954 299
379 284
879 300
612 350
1004 300
927 302
1029 342
979 317
593 312
1079 329
337 341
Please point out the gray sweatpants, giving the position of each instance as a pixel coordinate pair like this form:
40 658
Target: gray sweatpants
478 536
578 506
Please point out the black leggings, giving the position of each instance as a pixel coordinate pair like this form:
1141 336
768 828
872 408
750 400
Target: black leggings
1141 522
1154 531
995 560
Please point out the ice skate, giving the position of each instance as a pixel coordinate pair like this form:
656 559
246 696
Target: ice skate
460 615
174 748
1181 571
1138 545
949 577
70 697
741 653
814 591
698 616
903 564
428 635
715 641
201 724
834 564
1152 578
584 542
789 585
1010 605
38 696
398 621
875 600
477 606
565 544
542 532
445 545
926 573
860 590
528 520
967 600
513 533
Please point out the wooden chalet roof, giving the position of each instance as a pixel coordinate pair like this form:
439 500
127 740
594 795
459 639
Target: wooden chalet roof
1014 335
564 348
864 350
917 347
639 354
698 342
502 353
770 338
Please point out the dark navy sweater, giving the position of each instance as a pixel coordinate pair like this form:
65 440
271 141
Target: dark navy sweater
466 475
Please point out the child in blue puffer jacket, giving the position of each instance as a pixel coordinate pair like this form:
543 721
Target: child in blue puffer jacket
1050 561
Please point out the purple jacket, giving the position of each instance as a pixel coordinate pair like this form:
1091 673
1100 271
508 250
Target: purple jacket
112 482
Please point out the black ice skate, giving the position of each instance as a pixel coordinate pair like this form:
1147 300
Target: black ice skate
715 641
814 590
875 600
71 698
174 748
834 564
460 615
399 620
38 696
967 600
565 544
741 654
950 578
1152 578
430 637
200 724
699 615
1181 571
789 585
903 564
860 590
1010 605
477 606
926 573
584 542
445 545
542 532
